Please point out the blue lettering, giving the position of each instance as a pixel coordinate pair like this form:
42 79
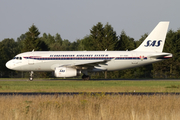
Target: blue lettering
148 43
62 71
159 43
153 43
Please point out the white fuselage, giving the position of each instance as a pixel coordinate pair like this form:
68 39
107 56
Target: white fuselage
49 60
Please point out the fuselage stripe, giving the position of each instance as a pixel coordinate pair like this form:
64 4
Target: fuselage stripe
85 58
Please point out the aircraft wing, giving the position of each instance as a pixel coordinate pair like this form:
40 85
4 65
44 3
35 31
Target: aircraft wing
89 64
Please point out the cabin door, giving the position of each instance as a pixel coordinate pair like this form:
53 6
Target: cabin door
31 59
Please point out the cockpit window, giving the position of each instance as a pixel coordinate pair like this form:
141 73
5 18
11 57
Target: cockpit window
17 58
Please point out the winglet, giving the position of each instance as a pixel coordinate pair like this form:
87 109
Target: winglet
156 39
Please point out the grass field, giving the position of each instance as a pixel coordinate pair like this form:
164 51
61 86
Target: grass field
83 107
87 107
44 85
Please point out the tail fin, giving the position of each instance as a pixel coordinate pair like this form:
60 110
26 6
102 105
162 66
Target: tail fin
156 39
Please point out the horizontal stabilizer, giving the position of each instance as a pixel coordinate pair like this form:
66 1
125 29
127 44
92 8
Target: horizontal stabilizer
161 55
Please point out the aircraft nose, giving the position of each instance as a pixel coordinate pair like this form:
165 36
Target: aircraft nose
9 64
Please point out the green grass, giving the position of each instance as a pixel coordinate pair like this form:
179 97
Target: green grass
44 85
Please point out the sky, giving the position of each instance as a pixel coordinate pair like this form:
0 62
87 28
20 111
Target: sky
73 19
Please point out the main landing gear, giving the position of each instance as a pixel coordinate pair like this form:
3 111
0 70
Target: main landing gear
31 76
85 77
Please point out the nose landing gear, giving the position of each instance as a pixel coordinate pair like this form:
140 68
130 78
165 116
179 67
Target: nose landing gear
31 76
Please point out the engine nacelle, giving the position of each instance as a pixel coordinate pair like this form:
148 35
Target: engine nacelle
66 72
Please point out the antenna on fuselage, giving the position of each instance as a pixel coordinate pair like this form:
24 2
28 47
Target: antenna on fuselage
105 49
33 50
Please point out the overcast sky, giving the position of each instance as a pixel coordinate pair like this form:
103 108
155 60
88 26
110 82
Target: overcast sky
73 19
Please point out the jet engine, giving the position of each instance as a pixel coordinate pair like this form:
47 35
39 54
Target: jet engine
66 72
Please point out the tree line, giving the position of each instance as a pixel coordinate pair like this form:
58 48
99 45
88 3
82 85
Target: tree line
101 37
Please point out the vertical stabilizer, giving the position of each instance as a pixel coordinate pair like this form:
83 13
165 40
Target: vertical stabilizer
156 39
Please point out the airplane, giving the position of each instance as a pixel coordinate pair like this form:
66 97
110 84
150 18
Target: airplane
73 63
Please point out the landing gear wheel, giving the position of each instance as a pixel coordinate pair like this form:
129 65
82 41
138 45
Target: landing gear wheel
31 79
31 76
85 77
